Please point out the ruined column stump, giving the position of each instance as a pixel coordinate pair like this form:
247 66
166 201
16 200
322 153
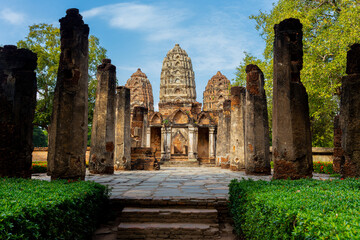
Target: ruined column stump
338 152
17 108
292 152
350 115
257 147
69 121
101 160
237 134
223 135
122 129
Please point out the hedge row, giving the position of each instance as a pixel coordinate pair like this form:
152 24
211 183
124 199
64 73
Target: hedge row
35 209
301 209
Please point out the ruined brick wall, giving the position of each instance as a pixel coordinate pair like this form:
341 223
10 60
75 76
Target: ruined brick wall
17 107
223 136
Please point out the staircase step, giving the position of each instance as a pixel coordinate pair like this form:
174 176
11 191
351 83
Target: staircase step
180 163
155 230
169 215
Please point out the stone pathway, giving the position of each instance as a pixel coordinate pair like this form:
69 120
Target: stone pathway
172 183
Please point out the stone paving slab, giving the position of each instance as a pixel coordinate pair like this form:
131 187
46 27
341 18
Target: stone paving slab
172 182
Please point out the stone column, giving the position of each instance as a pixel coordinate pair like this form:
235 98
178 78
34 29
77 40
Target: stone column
69 121
163 143
191 142
338 152
237 138
292 153
17 108
148 137
196 137
256 124
223 135
212 142
350 115
168 143
122 129
101 160
144 139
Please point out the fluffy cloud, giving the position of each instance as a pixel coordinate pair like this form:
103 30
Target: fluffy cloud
11 16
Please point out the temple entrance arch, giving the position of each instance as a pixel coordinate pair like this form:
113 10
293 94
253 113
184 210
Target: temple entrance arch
155 141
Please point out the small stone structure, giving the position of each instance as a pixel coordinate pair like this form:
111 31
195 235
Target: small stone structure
143 159
103 129
292 154
216 92
69 121
223 136
237 134
122 129
350 115
17 107
338 152
256 124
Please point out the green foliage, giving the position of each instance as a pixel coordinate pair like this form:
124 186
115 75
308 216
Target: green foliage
329 28
301 209
319 167
39 167
44 40
39 137
35 209
323 167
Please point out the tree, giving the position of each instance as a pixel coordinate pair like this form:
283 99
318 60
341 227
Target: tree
44 40
329 27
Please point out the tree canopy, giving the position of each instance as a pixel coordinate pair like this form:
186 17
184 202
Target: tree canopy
329 27
44 40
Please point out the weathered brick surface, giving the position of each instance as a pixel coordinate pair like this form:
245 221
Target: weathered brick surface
256 124
338 151
350 115
69 121
103 128
17 107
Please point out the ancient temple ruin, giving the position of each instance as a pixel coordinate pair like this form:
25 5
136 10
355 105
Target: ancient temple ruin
180 133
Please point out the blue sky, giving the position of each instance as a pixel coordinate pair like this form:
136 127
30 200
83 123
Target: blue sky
138 34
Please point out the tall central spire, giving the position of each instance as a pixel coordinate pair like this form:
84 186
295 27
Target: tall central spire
177 78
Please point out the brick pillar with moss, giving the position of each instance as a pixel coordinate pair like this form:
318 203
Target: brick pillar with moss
350 115
257 150
17 108
101 160
69 121
292 151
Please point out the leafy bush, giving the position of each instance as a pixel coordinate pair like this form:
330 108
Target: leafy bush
323 167
35 209
319 167
39 167
301 209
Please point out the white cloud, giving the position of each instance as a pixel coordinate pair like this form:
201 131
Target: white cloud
134 16
12 17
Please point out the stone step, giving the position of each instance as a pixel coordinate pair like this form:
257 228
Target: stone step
169 215
187 163
156 230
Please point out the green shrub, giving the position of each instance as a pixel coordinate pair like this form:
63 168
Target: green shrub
301 209
39 167
323 167
319 167
35 209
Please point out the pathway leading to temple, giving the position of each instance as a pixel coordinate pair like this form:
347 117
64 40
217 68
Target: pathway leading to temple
172 203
